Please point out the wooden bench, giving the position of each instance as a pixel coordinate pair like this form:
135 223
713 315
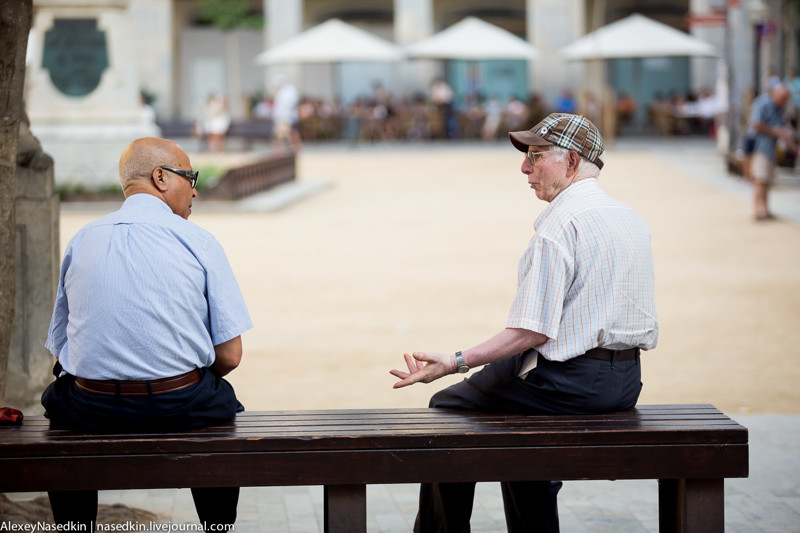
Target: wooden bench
690 449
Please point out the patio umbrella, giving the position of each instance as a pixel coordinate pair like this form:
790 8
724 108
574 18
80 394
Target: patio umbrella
475 41
333 41
472 39
636 36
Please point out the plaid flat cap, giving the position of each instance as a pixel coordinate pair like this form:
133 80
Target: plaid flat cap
573 132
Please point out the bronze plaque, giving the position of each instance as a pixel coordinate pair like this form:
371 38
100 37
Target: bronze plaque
75 55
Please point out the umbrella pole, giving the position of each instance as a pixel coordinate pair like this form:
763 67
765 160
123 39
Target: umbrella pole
336 82
637 92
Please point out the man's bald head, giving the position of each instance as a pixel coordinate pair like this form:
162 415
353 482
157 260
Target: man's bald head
143 156
780 95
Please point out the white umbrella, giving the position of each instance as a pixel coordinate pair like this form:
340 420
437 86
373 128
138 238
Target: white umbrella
472 39
636 36
331 42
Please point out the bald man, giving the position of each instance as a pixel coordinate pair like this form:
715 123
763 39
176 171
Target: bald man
767 126
148 318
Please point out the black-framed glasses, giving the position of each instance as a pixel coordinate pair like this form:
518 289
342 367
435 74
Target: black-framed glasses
190 175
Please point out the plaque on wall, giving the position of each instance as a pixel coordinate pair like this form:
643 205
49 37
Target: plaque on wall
75 55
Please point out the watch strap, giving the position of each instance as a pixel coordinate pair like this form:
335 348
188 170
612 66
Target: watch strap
461 366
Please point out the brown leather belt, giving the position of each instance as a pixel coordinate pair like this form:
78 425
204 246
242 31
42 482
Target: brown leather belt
604 354
139 388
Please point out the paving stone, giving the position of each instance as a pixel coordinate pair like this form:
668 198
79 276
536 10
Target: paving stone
300 512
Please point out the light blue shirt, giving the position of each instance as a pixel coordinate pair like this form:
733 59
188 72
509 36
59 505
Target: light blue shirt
765 111
143 294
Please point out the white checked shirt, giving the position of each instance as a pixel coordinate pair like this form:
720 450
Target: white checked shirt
586 279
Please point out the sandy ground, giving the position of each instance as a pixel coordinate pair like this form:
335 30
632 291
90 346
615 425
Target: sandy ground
417 250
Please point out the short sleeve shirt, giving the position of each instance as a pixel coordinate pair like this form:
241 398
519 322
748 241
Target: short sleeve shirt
765 111
143 294
587 277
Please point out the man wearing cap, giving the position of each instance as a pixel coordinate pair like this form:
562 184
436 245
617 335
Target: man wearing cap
583 310
148 317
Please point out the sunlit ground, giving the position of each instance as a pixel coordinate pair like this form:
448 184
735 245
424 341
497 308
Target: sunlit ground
417 250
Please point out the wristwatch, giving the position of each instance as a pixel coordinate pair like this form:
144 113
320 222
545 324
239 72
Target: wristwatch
461 366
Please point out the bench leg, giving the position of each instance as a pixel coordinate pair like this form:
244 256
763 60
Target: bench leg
691 505
345 509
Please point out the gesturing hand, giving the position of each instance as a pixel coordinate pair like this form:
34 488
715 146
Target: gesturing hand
424 367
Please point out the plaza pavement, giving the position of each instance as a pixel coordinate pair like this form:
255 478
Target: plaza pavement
767 501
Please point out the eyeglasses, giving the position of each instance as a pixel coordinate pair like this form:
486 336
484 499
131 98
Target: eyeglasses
190 175
533 157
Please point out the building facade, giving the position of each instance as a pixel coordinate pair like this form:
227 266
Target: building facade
177 55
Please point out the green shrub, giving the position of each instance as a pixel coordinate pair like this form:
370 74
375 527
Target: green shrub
209 175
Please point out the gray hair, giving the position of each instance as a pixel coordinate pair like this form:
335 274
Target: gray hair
586 169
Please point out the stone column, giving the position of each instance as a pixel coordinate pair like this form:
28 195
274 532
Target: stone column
413 21
284 20
740 48
773 45
37 263
552 25
704 70
155 51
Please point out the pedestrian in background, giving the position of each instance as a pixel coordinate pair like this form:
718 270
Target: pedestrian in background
767 126
284 114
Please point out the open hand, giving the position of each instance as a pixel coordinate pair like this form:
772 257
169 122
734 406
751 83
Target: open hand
424 367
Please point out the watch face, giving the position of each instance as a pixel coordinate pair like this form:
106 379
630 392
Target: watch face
463 369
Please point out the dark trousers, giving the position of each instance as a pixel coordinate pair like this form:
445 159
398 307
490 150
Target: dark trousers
577 386
211 401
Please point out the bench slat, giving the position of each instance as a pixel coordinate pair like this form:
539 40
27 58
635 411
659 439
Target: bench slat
640 412
273 431
387 429
244 422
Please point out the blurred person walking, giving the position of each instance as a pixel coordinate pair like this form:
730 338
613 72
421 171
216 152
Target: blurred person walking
768 126
442 97
284 114
216 122
494 115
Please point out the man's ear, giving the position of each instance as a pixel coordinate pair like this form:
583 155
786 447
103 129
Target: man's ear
160 180
573 160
